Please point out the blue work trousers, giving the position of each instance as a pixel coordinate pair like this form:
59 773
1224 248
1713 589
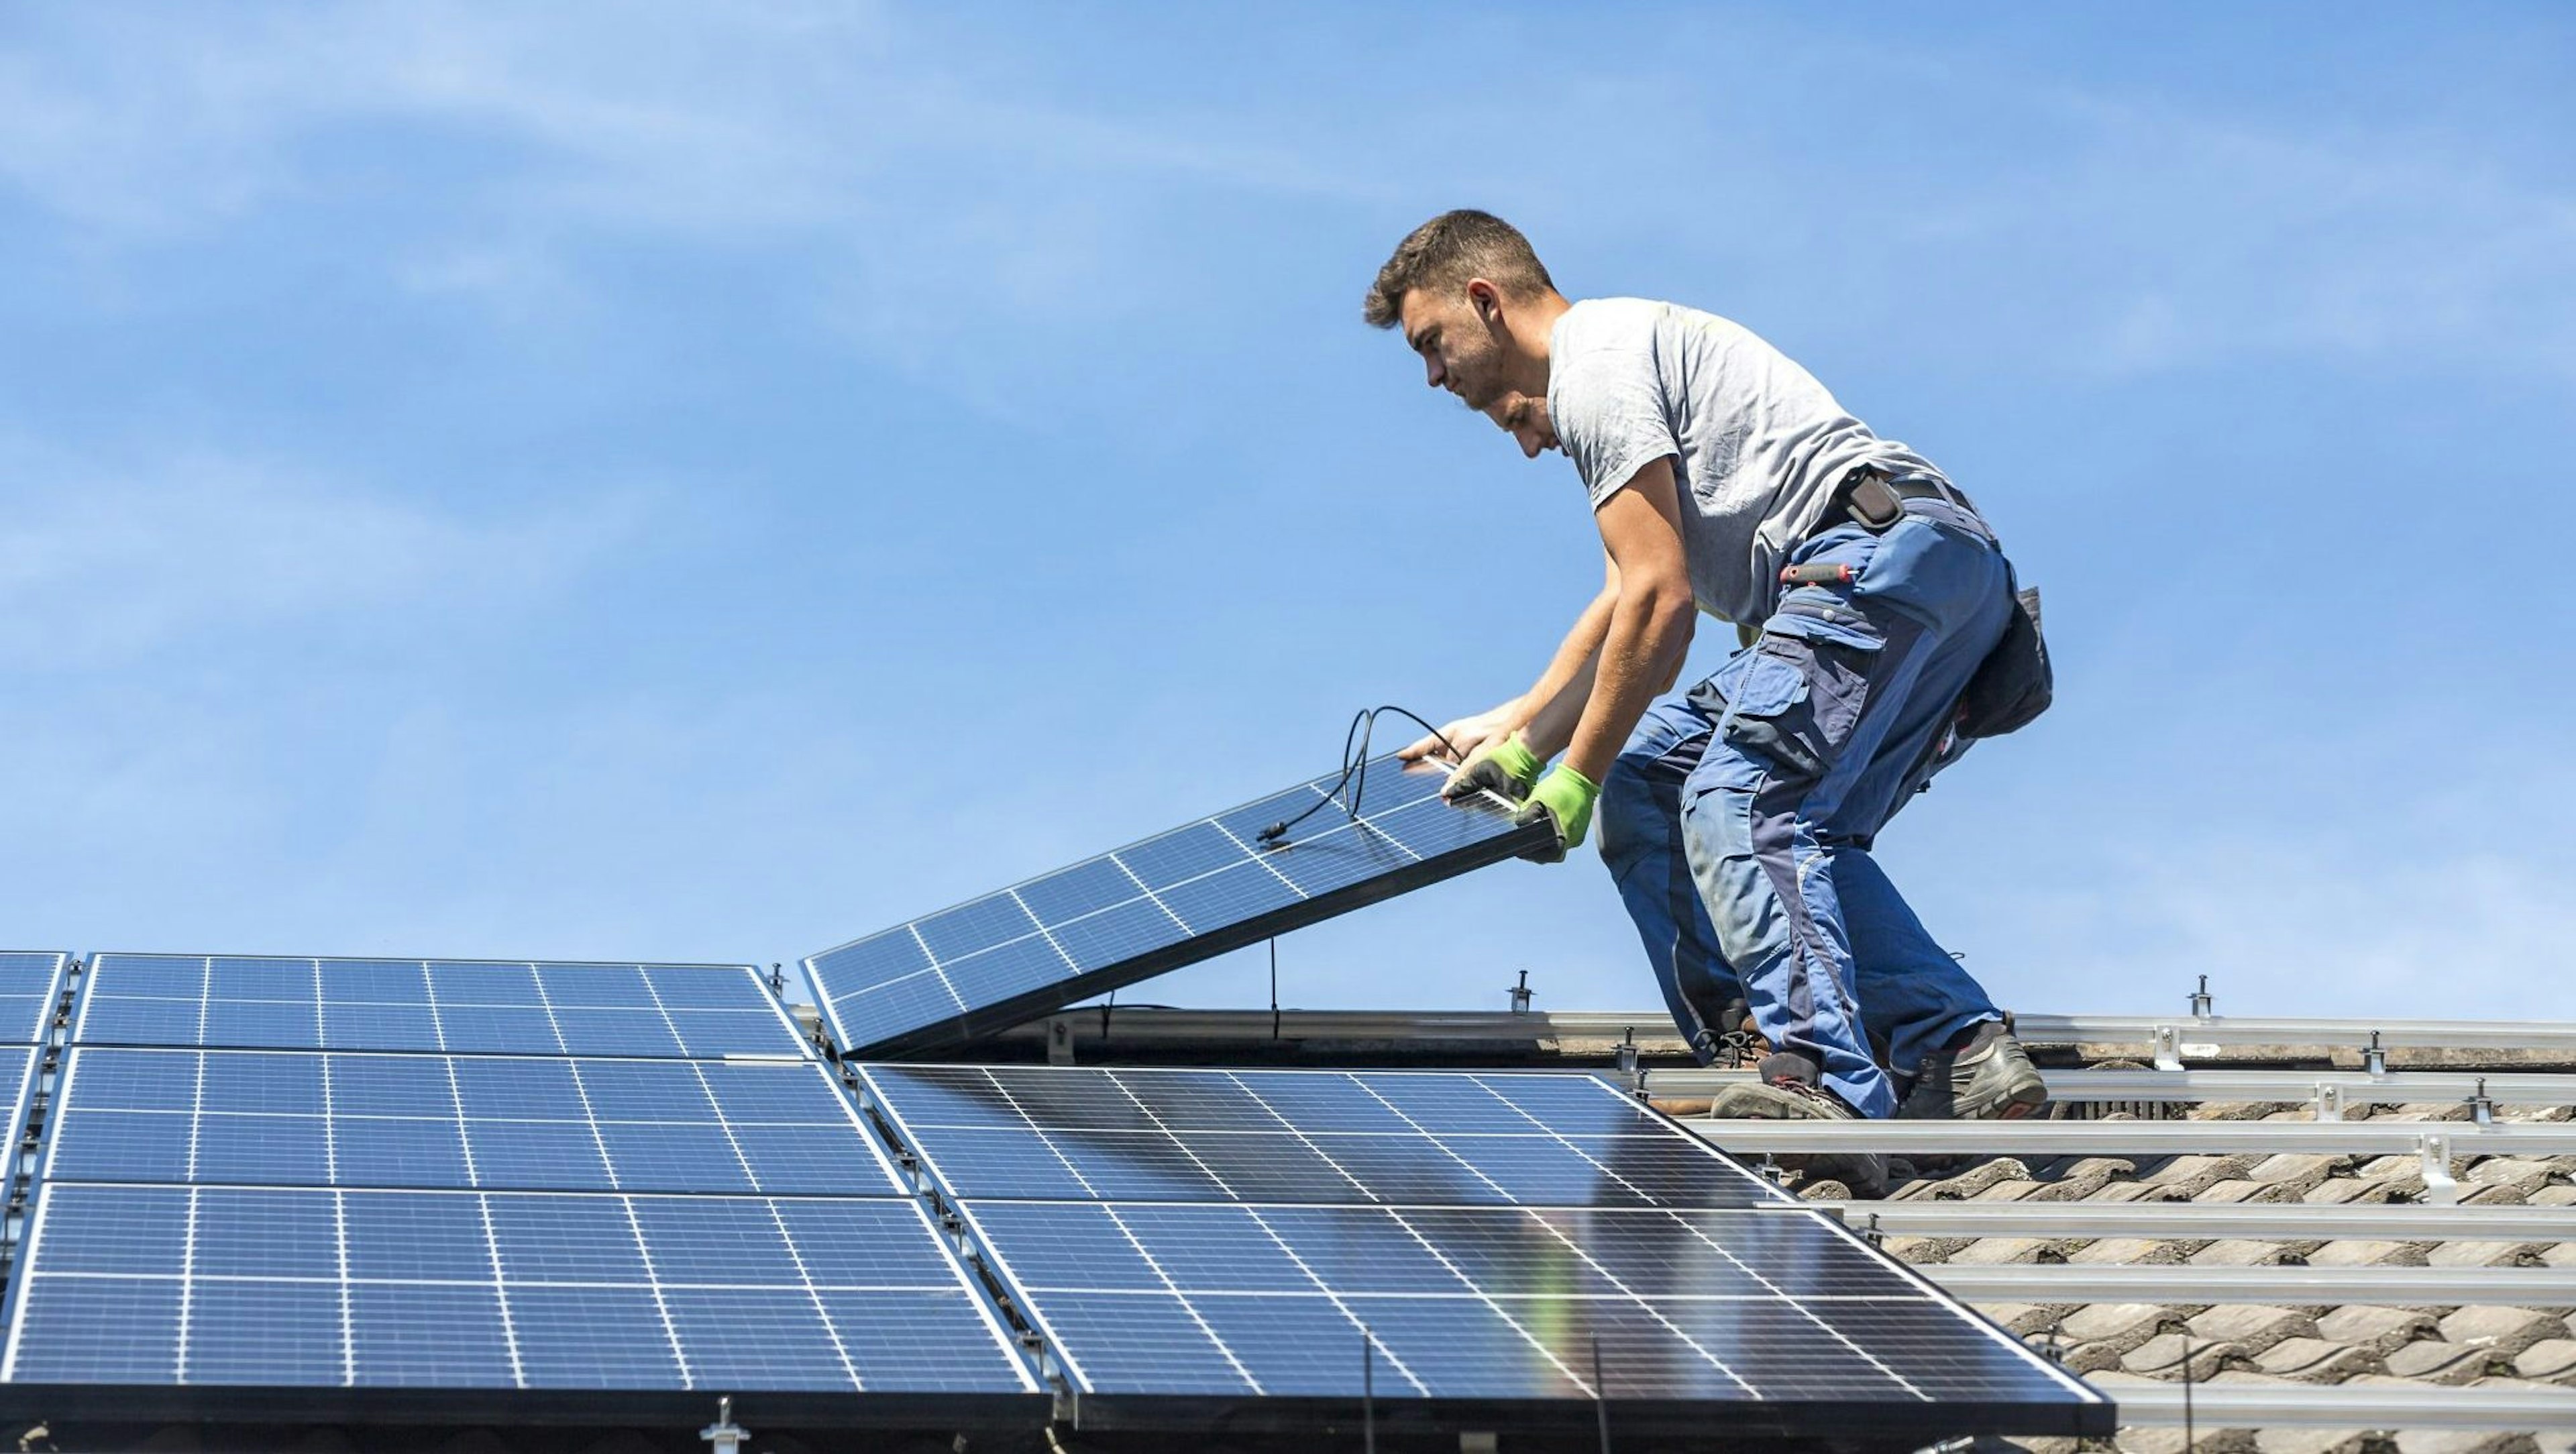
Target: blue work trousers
1737 820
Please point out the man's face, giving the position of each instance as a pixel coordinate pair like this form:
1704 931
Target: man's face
1461 351
1525 419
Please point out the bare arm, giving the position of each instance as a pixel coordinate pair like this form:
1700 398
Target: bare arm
1650 618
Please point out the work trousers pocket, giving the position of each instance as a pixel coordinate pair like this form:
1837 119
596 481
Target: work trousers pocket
1790 701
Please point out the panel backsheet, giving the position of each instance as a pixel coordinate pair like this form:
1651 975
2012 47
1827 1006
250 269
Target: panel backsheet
461 1006
29 982
1156 905
495 1290
1210 1234
306 1119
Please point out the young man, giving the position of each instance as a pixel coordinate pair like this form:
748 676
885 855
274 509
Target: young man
1737 818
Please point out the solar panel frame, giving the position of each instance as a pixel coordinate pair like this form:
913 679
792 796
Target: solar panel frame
1137 911
31 984
598 1021
1173 1327
506 1123
364 1283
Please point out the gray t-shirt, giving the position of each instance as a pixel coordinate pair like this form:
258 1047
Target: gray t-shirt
1758 444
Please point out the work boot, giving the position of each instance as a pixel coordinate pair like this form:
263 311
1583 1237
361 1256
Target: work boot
1982 1075
1787 1091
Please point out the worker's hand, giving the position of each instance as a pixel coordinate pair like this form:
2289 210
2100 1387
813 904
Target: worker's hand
1465 735
1507 767
1563 800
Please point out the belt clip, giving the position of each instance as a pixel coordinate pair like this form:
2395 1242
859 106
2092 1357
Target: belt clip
1872 500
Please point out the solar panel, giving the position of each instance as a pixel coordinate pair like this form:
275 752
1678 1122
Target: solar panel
292 1287
1310 1136
1210 1246
29 983
1154 906
299 1118
464 1006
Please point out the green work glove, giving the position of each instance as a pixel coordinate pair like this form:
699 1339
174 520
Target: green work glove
1563 800
1507 767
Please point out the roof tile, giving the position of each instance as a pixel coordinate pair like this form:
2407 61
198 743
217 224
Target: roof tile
2464 1441
2318 1360
2383 1329
2252 1326
2551 1360
2122 1325
2506 1331
2163 1355
2132 1251
2434 1361
2365 1252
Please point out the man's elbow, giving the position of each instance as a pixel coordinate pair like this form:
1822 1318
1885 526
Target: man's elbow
1665 603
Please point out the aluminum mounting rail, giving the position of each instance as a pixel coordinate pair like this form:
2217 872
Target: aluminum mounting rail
2357 1404
2188 1031
1145 1024
1149 1024
2181 1282
2432 1143
2349 1087
2278 1221
2383 1136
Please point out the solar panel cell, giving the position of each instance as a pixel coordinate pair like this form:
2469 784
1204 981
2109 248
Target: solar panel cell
29 984
1211 1135
299 1118
285 1286
1154 905
421 1005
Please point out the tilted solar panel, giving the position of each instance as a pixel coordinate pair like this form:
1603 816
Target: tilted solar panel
29 982
464 1006
1154 906
1203 1247
286 1287
297 1118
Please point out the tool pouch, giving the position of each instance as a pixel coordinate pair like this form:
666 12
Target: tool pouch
2013 684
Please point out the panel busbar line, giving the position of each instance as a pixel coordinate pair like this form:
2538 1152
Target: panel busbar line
462 1006
1156 905
141 1286
1213 1246
29 983
302 1118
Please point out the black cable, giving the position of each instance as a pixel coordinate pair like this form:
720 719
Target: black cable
1363 727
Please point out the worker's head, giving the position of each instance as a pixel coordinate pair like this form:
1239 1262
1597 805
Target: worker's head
1474 301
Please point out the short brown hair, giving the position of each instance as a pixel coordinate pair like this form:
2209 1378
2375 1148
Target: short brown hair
1447 251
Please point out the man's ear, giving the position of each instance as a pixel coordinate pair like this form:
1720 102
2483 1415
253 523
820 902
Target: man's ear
1486 299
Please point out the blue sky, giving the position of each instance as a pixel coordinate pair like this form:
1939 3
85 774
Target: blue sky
678 481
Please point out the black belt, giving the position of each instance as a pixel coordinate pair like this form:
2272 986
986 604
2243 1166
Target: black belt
1875 501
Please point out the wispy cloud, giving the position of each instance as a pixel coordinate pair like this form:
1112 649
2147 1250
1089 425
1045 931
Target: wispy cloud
105 562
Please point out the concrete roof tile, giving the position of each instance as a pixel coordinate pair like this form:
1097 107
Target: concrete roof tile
2318 1360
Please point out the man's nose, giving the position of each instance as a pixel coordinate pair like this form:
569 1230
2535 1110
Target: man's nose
1433 374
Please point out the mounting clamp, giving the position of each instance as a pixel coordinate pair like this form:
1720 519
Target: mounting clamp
724 1436
2433 1150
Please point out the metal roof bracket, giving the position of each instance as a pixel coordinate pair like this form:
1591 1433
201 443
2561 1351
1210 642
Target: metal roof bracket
1059 1038
2434 1150
2168 1047
724 1436
2329 1101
